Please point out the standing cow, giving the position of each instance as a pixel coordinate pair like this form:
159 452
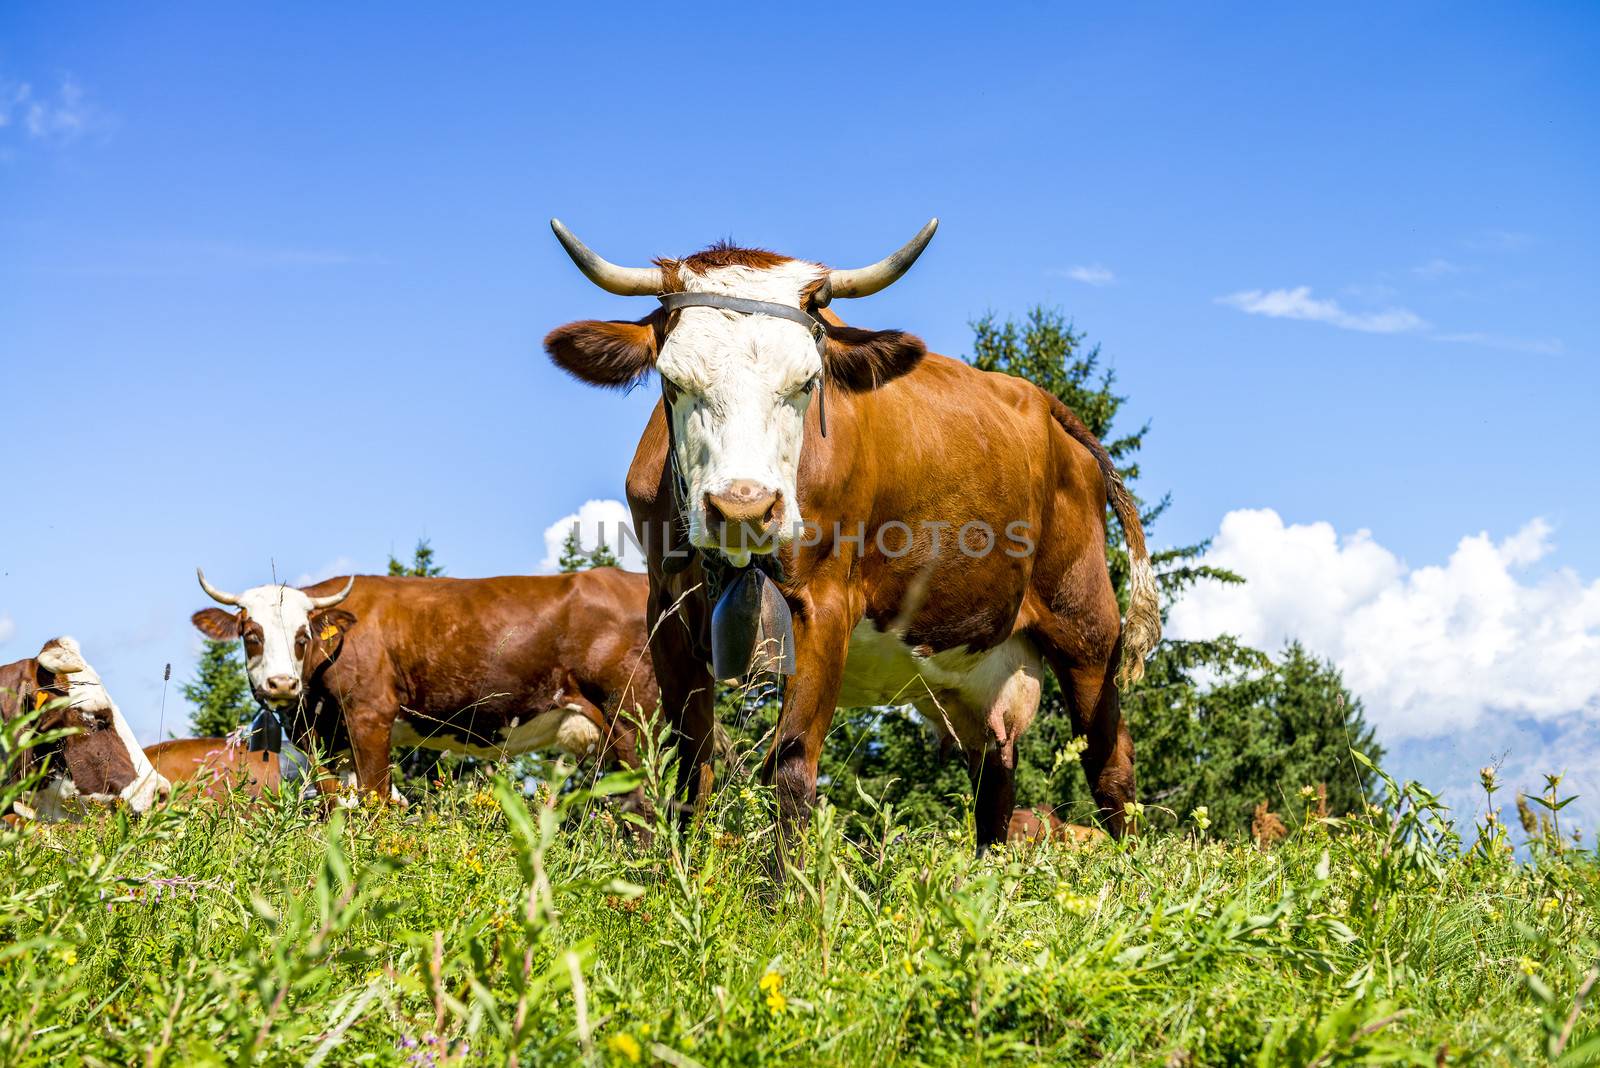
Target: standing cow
490 667
938 532
102 762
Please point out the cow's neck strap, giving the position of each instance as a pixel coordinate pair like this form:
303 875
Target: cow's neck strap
745 306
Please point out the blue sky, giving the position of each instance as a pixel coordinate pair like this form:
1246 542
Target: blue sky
272 284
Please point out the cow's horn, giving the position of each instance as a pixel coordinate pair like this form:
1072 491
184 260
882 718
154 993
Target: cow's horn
623 281
214 593
334 598
865 281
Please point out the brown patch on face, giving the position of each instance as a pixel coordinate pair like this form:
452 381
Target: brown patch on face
723 254
98 760
255 639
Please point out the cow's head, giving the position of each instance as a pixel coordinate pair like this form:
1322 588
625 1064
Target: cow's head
102 760
285 631
737 383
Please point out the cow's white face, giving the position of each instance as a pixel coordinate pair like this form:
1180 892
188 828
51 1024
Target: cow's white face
89 706
737 388
275 623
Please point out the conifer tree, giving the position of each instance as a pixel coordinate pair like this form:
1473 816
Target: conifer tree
219 691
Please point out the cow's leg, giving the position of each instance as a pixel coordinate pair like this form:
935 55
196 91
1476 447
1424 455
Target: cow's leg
1091 695
993 794
369 748
1083 651
822 642
687 696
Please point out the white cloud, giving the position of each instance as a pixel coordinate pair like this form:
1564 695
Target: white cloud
596 521
1430 650
1298 303
1436 268
1092 274
8 627
1549 346
339 565
60 116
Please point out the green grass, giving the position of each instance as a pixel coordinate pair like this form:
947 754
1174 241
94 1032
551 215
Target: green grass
479 924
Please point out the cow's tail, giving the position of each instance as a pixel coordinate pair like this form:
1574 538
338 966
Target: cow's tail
1141 628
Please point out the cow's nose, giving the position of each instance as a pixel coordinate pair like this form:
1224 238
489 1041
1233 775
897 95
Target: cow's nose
746 505
283 685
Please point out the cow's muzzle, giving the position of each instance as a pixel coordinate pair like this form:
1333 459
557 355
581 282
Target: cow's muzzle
744 517
280 690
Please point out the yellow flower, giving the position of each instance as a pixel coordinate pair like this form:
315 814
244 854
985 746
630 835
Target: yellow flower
626 1045
1528 966
769 984
69 956
1308 791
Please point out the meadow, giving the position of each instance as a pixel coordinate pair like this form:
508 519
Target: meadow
492 923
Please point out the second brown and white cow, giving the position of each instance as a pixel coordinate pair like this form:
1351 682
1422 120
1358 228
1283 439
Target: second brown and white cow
101 762
490 667
939 536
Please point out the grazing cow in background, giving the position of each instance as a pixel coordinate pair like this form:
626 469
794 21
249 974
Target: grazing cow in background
102 763
224 765
938 533
1035 825
489 667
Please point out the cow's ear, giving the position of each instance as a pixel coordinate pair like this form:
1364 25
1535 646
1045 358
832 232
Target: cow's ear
613 354
330 624
865 359
216 624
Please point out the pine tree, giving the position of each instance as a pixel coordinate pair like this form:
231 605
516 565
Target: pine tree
219 692
575 558
421 566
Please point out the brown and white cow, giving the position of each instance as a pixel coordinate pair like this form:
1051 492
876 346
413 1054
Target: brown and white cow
100 763
491 667
939 539
223 767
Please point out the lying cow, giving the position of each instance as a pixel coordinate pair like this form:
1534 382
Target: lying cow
936 533
1030 826
490 667
222 765
100 763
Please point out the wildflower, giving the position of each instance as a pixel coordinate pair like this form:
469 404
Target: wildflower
69 956
626 1045
1308 791
1202 818
1530 825
483 799
769 984
1486 776
1528 966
